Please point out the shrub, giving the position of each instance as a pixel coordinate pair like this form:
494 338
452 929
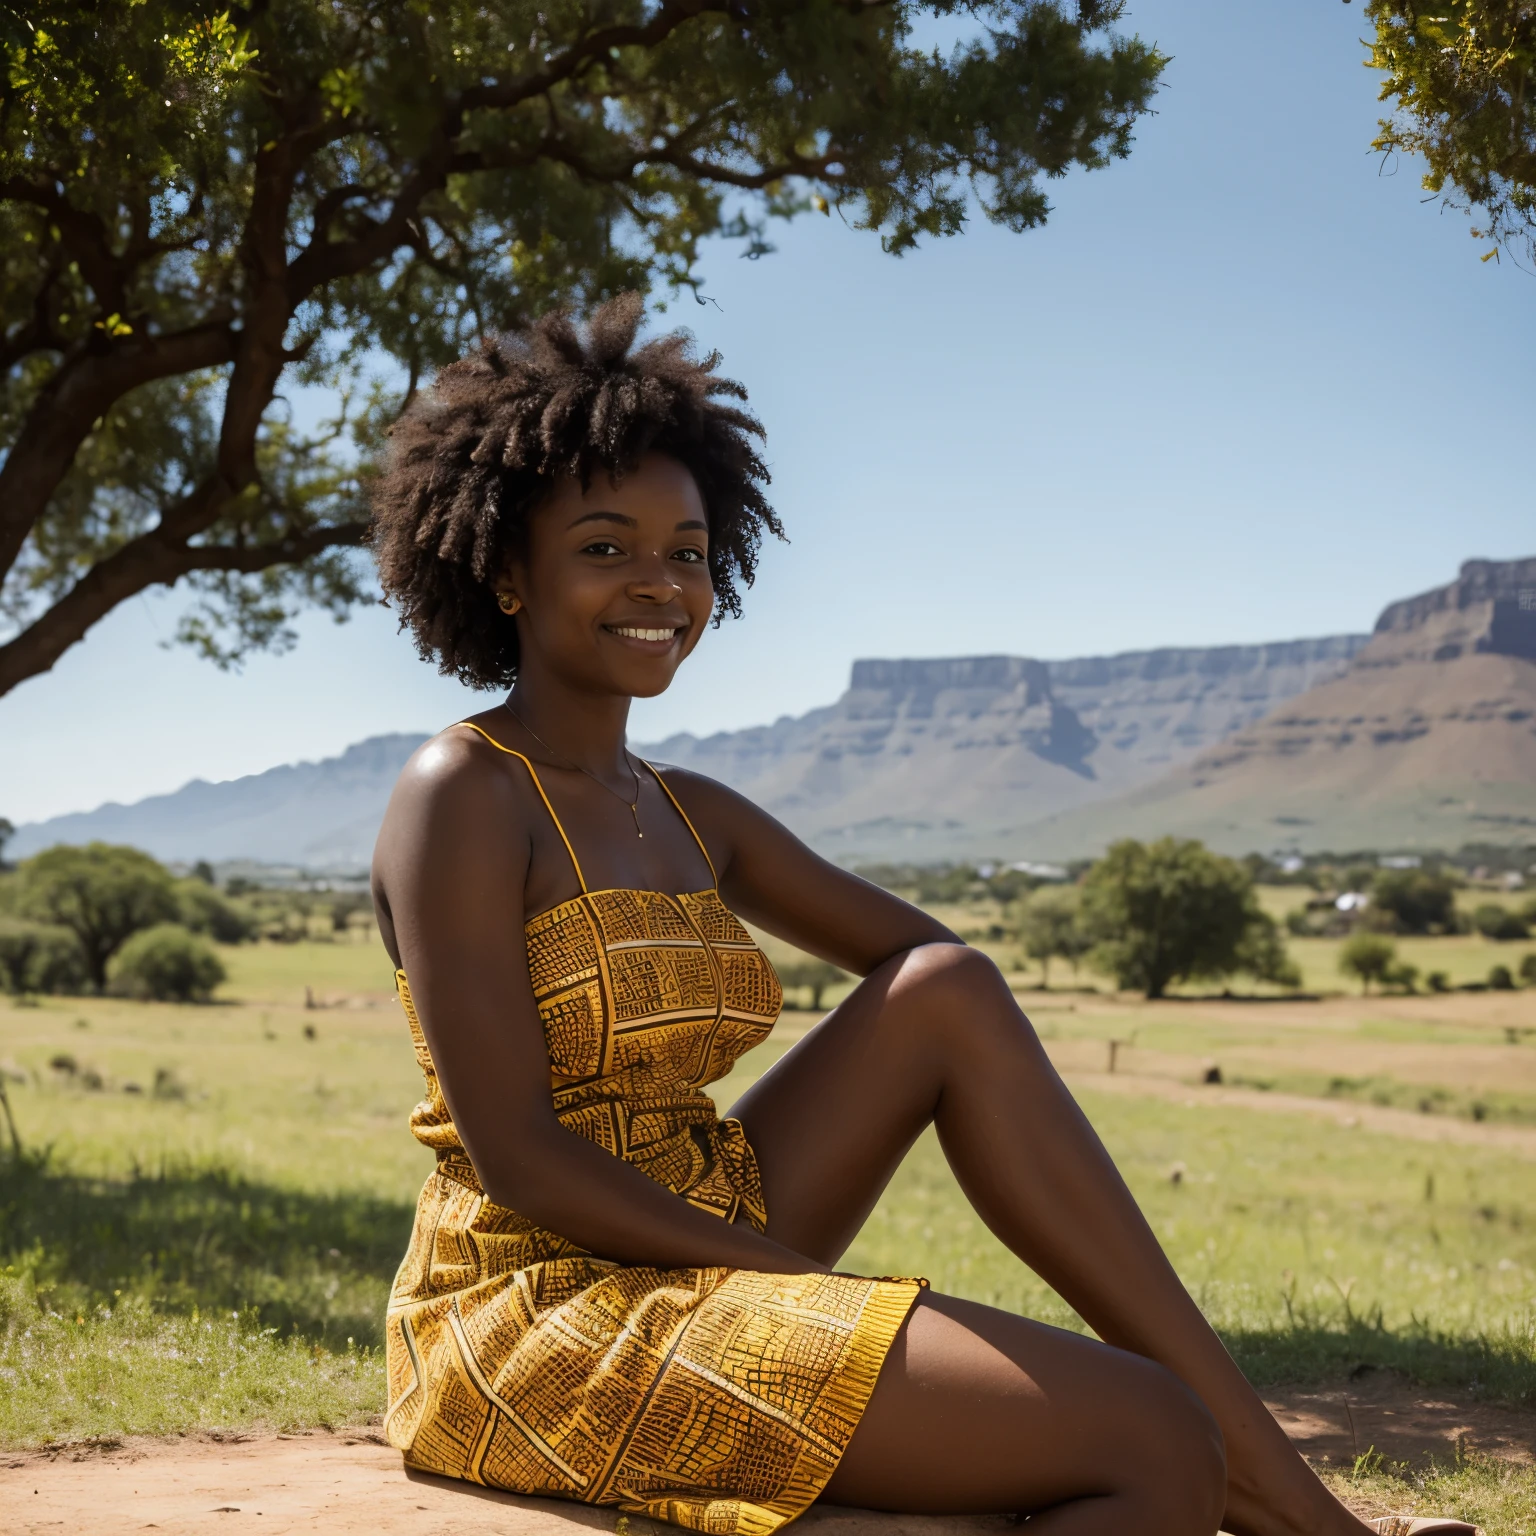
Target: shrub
167 964
39 957
1370 956
1527 970
1499 979
203 910
1420 900
1501 923
1438 981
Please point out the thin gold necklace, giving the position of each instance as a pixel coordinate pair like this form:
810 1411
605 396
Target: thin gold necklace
634 805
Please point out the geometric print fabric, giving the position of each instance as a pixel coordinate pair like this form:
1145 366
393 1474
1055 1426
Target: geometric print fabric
717 1399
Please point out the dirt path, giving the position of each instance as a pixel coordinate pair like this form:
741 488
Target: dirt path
349 1483
1519 1139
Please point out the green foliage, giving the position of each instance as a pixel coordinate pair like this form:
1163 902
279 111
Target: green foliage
206 206
1420 900
1527 972
814 976
1174 911
1499 979
1261 953
39 957
1368 956
204 910
1050 926
166 964
1499 923
101 893
1463 76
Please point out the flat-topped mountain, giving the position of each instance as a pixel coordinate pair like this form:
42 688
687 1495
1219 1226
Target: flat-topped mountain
1427 739
918 759
931 759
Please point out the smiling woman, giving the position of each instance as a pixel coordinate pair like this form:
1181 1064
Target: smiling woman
612 1294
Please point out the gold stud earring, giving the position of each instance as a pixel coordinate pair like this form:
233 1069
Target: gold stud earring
508 602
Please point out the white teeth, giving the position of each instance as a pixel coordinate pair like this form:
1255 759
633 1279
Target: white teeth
630 632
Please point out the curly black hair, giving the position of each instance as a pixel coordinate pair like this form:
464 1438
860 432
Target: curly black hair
472 457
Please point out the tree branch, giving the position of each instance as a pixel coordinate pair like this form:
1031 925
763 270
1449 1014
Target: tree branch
90 380
154 559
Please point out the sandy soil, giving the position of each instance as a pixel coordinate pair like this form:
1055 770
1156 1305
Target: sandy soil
349 1483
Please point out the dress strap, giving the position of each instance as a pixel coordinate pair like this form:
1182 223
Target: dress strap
714 878
581 879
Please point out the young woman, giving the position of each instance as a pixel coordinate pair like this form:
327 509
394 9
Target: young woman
612 1294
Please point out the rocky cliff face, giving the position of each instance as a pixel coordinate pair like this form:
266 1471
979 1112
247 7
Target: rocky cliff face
1490 609
1427 739
927 758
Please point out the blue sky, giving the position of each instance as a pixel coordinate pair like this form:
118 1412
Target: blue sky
1244 386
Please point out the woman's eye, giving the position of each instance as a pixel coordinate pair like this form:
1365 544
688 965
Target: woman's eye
691 556
602 547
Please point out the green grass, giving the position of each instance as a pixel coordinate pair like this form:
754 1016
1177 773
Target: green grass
219 1255
1498 1495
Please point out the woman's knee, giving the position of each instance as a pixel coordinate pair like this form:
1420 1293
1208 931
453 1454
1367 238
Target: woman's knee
1182 1462
960 994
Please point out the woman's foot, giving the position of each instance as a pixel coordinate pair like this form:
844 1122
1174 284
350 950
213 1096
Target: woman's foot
1402 1525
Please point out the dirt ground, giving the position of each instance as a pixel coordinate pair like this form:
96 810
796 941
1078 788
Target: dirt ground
350 1483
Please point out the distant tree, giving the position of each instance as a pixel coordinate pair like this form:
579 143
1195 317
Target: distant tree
7 832
202 909
815 976
1463 76
1499 923
166 964
1369 956
208 206
1499 979
1050 927
39 957
1261 953
1527 972
1170 911
101 893
1419 900
203 871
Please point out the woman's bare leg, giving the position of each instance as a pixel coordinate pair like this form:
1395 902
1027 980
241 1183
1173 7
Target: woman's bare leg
977 1410
935 1036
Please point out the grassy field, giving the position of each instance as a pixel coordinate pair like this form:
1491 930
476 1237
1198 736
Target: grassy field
212 1199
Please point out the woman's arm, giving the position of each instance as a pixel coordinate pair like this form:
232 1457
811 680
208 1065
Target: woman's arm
451 862
768 876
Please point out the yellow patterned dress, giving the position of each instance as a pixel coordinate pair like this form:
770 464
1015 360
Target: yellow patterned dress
718 1399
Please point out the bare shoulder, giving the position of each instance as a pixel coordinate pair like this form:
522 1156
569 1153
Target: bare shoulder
701 795
453 787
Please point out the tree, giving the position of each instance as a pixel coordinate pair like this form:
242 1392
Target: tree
814 975
1499 923
1370 956
1049 927
1463 76
101 893
1420 900
208 205
1173 911
7 832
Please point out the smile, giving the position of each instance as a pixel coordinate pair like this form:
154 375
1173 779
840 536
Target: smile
635 632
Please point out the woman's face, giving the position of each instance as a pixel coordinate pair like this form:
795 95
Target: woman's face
615 581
